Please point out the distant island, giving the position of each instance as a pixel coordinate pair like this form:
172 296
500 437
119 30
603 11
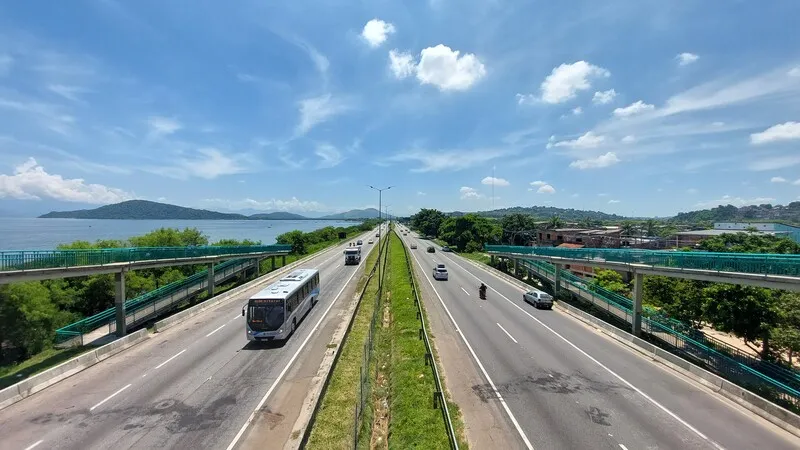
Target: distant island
147 210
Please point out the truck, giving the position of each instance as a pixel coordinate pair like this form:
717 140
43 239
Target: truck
352 255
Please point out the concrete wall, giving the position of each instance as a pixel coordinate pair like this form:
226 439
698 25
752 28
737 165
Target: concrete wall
36 383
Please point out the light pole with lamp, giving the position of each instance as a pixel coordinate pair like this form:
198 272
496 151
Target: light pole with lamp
380 227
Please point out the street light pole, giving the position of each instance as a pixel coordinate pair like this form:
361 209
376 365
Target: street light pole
380 227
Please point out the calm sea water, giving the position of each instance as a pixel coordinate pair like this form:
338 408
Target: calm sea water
46 234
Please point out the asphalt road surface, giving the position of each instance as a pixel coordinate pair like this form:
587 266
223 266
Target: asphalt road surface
562 385
192 386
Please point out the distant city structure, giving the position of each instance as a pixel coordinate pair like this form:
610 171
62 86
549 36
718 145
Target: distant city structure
691 238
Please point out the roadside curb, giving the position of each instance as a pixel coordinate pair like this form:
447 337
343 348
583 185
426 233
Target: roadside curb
224 298
49 377
775 414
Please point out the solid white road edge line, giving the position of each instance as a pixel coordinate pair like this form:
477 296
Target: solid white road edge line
480 365
593 359
32 446
163 363
109 397
507 333
288 365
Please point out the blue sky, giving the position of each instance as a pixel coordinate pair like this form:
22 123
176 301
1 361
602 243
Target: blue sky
636 107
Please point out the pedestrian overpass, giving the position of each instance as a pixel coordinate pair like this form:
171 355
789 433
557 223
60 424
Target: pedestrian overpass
223 262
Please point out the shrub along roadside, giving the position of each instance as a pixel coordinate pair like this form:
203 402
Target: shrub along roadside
30 312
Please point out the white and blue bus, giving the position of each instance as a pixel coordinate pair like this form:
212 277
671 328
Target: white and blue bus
273 313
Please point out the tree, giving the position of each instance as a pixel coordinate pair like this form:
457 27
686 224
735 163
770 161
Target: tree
612 281
628 228
679 299
28 318
786 335
469 232
554 222
428 221
518 229
650 227
749 243
296 238
748 312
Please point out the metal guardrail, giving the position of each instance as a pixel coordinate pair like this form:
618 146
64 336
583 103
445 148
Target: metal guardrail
695 351
769 264
141 302
438 395
53 259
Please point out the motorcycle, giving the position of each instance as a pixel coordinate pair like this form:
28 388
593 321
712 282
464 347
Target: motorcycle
482 293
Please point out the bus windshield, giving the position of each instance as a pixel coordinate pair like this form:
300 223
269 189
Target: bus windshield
265 317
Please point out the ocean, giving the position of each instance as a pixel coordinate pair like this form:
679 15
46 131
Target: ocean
46 234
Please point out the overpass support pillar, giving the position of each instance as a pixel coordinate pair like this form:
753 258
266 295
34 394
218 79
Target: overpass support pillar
516 267
556 279
119 303
636 321
491 260
258 267
272 259
283 260
211 278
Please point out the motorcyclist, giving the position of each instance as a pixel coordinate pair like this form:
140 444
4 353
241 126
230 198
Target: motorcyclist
482 290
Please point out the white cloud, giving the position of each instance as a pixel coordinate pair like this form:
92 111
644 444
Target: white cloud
684 59
546 189
329 156
452 160
778 180
602 194
489 181
6 62
445 69
613 201
206 162
292 204
577 111
163 125
316 110
629 139
633 109
566 80
68 92
795 72
575 195
609 159
468 193
526 99
691 191
30 182
774 163
588 140
735 201
796 182
421 194
402 64
538 183
376 31
604 97
776 133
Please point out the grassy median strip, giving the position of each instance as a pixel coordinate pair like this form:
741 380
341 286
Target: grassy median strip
333 426
414 422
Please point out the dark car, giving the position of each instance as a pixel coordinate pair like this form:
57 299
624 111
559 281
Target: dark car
431 249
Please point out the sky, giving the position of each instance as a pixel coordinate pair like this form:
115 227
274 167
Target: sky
633 107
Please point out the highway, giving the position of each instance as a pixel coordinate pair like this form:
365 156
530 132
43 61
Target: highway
193 386
558 384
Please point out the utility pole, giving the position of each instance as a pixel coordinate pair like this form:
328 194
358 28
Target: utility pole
380 227
493 169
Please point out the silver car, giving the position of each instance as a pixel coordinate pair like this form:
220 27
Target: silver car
439 272
538 299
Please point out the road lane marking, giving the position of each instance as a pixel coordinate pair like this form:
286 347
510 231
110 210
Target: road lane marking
216 329
465 291
623 447
480 365
593 359
32 446
162 364
109 397
507 333
288 365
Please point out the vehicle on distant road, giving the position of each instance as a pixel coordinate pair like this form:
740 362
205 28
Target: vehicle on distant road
369 241
431 249
538 299
273 313
413 246
360 242
439 272
446 249
352 256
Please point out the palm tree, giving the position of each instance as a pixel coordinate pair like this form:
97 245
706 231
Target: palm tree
650 227
628 228
554 223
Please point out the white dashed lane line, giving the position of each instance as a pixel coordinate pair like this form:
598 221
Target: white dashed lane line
109 397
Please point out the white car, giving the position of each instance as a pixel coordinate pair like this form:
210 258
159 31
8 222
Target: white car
439 272
413 246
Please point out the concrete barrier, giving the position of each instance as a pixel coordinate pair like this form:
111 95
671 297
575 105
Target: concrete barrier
186 314
754 403
49 377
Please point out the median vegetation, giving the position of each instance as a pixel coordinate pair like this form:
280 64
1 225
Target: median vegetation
31 312
381 392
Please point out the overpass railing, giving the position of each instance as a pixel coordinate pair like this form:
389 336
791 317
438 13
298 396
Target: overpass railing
139 303
53 259
769 264
767 379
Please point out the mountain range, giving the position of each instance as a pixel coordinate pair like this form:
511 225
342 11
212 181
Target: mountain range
147 210
144 210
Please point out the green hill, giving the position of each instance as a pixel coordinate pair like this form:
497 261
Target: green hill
278 216
354 214
143 210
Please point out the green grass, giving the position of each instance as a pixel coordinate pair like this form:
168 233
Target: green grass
414 423
51 357
480 257
334 423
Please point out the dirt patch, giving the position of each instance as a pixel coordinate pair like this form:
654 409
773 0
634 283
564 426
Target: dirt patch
380 423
